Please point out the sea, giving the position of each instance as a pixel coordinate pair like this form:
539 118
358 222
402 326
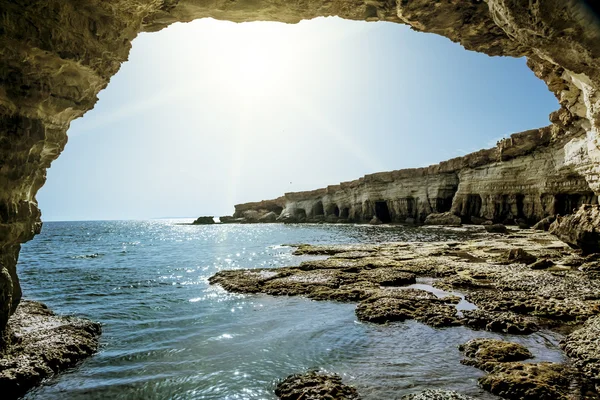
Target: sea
168 334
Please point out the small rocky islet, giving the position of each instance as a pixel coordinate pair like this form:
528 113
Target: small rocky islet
516 283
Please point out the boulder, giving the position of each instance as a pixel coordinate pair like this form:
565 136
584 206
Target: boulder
446 218
204 221
496 228
268 217
580 230
545 223
542 264
228 219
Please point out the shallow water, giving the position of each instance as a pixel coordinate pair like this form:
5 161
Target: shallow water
168 334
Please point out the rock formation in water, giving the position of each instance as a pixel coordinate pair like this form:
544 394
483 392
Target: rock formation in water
56 55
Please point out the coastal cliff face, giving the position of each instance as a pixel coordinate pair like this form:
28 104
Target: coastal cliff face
526 177
56 55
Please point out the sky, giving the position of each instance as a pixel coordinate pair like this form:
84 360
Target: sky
209 114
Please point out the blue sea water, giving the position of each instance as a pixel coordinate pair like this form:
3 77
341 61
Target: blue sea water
168 334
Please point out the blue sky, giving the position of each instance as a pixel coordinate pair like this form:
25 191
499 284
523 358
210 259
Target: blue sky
209 114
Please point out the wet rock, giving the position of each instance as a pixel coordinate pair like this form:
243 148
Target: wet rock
478 221
580 230
314 385
388 277
503 322
542 264
403 304
436 394
519 255
204 221
544 224
591 269
583 346
446 218
43 344
529 381
496 228
486 353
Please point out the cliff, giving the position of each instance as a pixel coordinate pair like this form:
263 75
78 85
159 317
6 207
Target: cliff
525 177
56 55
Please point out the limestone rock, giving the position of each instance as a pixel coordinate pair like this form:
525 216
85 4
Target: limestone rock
375 221
583 346
314 385
44 344
486 353
580 230
446 218
519 255
544 224
268 217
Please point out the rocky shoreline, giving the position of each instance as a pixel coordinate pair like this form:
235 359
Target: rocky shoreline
515 283
41 345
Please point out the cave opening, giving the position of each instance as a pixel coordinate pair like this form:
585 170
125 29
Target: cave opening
382 212
345 213
410 207
565 203
300 214
336 211
520 199
318 209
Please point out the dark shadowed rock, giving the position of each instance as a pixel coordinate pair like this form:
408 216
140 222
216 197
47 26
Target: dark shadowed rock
204 221
580 230
542 264
268 217
314 385
496 228
375 221
519 255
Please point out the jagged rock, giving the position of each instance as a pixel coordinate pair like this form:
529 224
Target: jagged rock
496 228
583 347
227 219
204 221
530 381
314 385
503 322
544 224
43 344
446 218
436 394
486 353
406 304
580 230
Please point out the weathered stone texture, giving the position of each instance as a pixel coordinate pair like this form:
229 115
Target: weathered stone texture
56 55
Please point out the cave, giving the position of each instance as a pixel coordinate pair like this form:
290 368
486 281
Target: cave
383 212
336 211
566 203
345 213
443 204
300 214
57 57
318 209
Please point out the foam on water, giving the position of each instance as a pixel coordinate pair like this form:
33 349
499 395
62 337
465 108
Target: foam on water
168 334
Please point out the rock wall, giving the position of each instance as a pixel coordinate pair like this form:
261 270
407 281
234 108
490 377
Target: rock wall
56 55
527 176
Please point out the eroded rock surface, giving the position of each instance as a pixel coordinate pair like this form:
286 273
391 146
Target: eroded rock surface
436 394
314 385
43 344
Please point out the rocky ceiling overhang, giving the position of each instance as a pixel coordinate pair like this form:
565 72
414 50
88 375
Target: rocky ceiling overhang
56 55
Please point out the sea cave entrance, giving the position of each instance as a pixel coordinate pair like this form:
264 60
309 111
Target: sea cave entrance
382 212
